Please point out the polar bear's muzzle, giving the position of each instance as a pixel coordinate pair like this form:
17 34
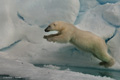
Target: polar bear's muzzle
48 29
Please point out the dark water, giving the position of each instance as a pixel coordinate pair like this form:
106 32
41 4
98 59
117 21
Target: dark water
7 77
115 74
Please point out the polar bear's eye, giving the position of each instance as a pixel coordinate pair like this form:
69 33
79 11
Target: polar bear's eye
54 24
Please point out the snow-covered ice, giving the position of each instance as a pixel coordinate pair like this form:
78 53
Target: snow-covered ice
22 24
27 70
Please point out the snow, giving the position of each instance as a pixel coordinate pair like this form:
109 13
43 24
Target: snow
27 70
84 6
22 24
46 11
87 4
112 14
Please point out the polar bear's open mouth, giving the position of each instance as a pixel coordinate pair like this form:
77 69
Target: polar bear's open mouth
52 33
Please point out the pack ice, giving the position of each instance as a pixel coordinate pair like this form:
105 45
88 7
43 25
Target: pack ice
22 24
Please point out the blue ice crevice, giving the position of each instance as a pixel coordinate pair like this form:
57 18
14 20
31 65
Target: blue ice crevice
102 2
83 8
115 26
10 46
108 39
77 17
21 17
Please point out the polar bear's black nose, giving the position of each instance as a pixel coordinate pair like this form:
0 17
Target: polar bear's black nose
47 29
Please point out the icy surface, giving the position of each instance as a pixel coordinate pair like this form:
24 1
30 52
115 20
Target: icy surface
43 12
107 1
27 70
112 14
84 6
22 24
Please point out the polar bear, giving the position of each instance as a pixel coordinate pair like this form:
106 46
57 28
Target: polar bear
84 40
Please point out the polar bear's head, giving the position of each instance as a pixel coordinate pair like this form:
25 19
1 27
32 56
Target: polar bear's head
55 26
64 32
62 28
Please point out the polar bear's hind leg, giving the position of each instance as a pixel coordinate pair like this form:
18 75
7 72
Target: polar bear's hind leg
107 60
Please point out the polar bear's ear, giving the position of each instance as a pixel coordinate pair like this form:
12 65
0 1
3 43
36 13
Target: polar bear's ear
55 23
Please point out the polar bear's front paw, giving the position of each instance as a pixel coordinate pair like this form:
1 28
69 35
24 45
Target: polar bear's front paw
51 39
46 37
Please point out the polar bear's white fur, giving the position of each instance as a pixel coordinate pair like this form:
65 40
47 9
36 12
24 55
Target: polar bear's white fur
83 40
